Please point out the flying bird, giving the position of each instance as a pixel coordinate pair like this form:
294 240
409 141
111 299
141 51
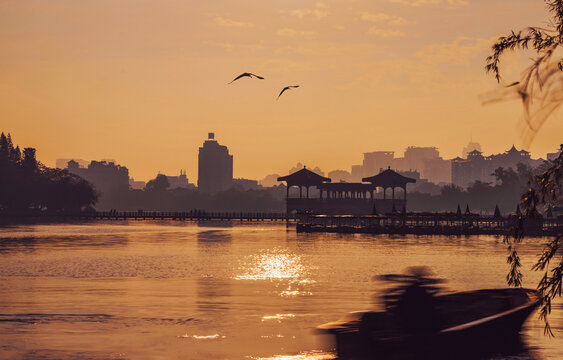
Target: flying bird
250 75
287 88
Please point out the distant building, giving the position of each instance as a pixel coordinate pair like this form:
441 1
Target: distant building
480 168
474 168
357 173
425 160
437 170
416 156
246 184
270 180
413 174
215 166
377 160
136 185
180 181
470 147
108 179
340 176
300 166
553 156
63 163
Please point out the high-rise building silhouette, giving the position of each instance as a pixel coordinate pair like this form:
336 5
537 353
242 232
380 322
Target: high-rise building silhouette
215 167
425 160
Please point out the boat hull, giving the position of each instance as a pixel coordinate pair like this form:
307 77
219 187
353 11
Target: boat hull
496 333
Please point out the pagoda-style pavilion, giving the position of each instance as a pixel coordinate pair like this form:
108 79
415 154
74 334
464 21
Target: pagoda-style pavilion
390 179
303 178
345 198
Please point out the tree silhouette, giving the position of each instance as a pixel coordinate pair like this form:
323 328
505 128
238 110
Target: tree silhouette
158 184
27 185
544 190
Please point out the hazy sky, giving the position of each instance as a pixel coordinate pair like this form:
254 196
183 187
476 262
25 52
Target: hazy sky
144 81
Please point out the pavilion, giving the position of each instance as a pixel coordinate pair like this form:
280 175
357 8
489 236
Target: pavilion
345 198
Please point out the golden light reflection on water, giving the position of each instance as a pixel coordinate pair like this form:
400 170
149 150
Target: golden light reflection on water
294 292
272 264
203 337
312 355
277 317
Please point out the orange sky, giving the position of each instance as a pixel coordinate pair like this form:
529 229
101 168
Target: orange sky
144 81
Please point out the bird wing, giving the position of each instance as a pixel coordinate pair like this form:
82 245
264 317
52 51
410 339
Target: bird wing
281 92
238 77
259 77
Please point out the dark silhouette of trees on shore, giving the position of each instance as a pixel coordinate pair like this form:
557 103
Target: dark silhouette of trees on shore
26 185
479 195
158 196
158 184
180 199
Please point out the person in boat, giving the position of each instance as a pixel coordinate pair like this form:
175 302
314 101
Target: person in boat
416 311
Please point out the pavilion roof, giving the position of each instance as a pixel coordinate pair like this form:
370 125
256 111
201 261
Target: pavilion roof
513 150
304 177
389 178
344 186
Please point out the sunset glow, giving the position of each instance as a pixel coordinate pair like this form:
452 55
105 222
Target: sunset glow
143 82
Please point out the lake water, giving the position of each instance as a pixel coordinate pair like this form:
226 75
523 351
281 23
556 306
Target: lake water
175 290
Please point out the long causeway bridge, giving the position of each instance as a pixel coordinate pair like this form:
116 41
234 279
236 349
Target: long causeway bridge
392 223
428 224
193 215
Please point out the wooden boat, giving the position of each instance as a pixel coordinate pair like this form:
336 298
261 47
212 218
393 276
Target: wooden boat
464 325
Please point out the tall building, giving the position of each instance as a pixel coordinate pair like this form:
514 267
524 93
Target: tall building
109 180
376 160
215 166
425 160
415 156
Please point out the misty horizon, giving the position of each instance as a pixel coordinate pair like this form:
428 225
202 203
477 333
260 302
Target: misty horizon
193 174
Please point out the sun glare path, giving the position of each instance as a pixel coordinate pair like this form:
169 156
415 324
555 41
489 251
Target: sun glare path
272 264
203 337
277 317
313 355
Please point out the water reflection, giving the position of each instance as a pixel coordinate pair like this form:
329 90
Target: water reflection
27 241
213 236
215 223
177 290
272 264
203 337
311 355
213 295
278 317
17 245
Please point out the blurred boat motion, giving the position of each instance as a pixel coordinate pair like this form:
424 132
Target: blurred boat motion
420 325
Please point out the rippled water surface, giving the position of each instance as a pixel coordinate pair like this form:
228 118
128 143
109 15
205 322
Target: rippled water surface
174 290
